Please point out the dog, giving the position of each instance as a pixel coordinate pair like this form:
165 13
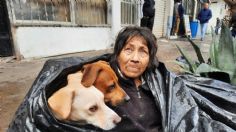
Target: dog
74 102
84 96
101 75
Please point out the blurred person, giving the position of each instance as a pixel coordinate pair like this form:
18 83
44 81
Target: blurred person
178 14
204 16
148 14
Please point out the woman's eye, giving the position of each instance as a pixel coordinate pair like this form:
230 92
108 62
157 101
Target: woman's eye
128 50
93 109
144 53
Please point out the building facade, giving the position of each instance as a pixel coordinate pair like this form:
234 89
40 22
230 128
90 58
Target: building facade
41 28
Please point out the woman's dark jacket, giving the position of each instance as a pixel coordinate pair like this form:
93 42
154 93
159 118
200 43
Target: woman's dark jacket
186 102
141 112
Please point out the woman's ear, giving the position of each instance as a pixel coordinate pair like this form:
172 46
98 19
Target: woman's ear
90 73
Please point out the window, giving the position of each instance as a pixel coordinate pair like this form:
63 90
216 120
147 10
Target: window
91 12
42 10
129 12
71 12
52 12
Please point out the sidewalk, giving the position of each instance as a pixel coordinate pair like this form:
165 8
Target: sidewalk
16 77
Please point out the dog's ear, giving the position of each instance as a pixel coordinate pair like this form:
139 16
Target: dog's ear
90 73
60 103
103 62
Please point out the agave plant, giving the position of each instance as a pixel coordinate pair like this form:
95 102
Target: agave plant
222 61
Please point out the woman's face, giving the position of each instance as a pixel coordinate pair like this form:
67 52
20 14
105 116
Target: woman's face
134 57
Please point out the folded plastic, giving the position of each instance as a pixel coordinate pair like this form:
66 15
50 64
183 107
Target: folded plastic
187 102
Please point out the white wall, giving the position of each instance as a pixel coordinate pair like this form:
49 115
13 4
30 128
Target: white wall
50 41
159 20
169 17
116 18
218 10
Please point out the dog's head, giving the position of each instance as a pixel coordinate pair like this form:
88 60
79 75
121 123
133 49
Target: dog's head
101 75
77 103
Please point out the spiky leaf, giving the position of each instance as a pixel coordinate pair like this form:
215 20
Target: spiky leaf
204 68
226 51
234 45
192 65
213 51
233 80
197 51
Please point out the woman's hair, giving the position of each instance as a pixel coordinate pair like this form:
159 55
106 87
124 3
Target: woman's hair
133 31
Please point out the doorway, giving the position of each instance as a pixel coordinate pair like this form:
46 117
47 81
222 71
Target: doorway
5 36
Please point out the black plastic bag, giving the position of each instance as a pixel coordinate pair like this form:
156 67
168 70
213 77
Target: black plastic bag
192 103
201 105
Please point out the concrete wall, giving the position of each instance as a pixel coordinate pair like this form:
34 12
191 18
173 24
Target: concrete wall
218 10
159 20
169 17
50 41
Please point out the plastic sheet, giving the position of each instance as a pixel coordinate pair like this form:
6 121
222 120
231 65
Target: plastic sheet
188 103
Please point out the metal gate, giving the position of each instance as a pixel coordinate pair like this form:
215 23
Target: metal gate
5 43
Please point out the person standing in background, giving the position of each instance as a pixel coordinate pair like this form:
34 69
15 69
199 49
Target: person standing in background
178 13
148 14
204 16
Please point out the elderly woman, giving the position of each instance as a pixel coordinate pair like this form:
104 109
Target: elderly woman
134 60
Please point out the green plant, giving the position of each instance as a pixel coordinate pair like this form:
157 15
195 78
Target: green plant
222 57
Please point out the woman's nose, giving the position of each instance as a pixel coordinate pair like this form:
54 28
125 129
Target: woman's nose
135 56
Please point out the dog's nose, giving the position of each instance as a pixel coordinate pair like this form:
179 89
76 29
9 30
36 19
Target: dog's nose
127 98
117 119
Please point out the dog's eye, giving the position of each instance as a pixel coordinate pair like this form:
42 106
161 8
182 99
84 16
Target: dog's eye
110 88
94 108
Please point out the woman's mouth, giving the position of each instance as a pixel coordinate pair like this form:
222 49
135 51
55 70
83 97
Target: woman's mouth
132 68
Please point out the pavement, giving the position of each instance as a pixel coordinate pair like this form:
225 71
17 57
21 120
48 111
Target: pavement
16 77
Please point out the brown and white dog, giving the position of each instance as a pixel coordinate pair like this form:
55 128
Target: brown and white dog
101 75
79 100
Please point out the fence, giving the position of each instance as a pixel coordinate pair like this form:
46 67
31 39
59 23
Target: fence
70 12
